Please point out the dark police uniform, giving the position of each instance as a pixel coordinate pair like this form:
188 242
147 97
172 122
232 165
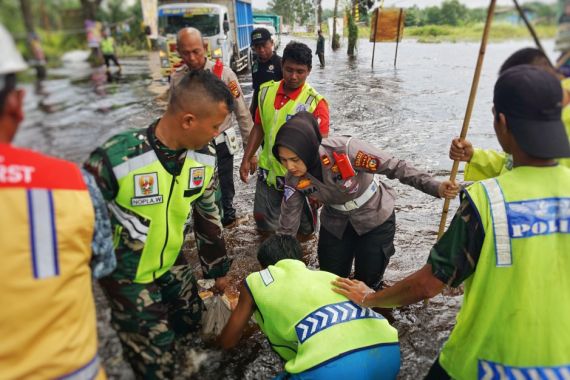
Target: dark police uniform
262 72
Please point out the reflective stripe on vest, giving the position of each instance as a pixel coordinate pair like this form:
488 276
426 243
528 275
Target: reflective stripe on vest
493 371
272 120
500 224
87 372
43 238
330 315
152 205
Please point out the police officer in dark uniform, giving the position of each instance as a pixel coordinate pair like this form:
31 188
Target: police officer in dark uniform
267 64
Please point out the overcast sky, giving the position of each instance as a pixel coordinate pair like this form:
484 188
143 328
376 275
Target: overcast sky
261 4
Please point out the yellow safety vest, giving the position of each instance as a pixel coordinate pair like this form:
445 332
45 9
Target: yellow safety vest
158 205
514 318
47 322
306 322
272 120
108 46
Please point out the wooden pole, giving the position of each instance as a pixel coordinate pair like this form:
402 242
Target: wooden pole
375 30
472 95
531 30
398 38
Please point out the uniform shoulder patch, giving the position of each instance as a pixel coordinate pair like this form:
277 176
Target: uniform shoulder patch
366 161
266 277
288 192
234 89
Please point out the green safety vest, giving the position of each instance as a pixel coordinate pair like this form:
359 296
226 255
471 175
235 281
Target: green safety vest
272 120
161 203
487 163
107 46
515 313
306 322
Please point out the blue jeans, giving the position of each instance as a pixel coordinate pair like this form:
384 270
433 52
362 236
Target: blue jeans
377 363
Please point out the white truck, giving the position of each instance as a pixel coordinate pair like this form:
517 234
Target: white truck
226 26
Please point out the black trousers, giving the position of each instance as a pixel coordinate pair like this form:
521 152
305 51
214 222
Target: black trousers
436 372
370 252
321 59
111 57
226 175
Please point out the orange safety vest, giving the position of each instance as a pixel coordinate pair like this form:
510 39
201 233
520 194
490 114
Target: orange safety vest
47 319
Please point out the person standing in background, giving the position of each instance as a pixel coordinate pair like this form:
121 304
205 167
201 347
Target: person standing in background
321 48
108 48
266 66
191 49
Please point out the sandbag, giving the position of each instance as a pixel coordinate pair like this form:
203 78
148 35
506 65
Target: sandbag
217 312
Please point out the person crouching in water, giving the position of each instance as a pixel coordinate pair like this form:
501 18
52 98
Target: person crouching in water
358 220
319 333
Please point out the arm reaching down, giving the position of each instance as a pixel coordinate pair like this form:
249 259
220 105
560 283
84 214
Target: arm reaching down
231 334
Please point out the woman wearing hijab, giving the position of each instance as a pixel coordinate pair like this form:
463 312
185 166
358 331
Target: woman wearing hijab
357 220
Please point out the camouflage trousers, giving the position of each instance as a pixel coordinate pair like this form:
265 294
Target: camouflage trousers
150 318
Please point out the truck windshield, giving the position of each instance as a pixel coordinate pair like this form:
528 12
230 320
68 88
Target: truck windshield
206 20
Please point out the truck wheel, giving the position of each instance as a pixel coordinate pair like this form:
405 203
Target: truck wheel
233 65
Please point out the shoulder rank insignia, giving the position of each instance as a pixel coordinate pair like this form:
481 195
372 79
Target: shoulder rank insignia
325 160
303 184
234 89
366 161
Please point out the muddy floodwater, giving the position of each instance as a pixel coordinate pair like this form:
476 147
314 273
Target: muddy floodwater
412 111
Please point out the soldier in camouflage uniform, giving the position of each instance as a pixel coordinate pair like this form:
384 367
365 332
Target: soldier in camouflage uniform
152 179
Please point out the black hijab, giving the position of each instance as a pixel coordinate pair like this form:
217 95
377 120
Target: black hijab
301 135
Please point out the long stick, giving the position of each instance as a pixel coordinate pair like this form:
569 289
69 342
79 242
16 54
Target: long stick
375 29
531 29
398 37
472 95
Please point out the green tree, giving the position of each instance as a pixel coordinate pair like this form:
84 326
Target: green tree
352 33
335 43
304 9
433 16
115 12
414 16
453 12
293 10
545 13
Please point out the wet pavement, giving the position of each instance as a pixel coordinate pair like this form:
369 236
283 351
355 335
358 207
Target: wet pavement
412 111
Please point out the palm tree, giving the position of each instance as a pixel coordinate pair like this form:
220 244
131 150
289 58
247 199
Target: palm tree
335 37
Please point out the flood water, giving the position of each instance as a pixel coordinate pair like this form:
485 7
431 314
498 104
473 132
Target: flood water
412 111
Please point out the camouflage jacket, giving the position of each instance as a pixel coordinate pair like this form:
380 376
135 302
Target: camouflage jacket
207 224
455 256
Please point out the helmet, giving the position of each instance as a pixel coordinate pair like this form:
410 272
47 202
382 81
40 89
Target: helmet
11 60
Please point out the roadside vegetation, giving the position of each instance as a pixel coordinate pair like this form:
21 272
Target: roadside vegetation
59 25
452 21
